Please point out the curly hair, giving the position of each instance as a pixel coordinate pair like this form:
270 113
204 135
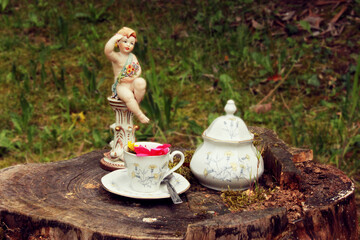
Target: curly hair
128 32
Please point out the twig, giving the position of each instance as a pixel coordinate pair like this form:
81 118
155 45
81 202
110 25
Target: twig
286 106
338 15
81 147
277 85
184 134
327 2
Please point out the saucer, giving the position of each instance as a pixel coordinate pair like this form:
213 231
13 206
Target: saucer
118 182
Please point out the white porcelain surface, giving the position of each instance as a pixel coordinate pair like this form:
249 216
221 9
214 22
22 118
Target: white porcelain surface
227 159
117 182
228 128
146 173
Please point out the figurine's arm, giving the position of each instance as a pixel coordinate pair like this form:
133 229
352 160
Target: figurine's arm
109 47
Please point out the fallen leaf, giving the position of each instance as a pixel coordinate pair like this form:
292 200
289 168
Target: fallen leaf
275 78
288 15
256 25
314 20
179 31
209 75
215 69
236 22
261 108
334 30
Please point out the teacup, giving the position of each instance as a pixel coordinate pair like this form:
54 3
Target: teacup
147 172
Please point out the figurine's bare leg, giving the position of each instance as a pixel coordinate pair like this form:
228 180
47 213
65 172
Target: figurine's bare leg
125 94
139 89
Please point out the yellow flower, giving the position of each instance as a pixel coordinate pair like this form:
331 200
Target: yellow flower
228 154
233 166
152 166
131 146
78 117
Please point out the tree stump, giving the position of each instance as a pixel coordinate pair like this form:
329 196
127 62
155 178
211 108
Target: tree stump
65 200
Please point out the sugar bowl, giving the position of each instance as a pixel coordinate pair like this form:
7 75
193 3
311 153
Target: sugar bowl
227 159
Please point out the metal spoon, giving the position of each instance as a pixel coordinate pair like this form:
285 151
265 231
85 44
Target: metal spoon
173 194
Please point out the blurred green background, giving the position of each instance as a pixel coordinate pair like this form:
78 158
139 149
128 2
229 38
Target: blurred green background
291 66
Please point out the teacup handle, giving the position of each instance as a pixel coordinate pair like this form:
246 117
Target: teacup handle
177 166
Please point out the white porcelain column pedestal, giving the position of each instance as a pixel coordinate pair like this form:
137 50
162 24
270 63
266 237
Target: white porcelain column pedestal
124 131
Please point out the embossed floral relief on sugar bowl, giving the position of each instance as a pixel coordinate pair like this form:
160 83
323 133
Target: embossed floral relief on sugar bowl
227 159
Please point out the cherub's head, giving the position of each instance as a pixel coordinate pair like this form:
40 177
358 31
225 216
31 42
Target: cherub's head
127 42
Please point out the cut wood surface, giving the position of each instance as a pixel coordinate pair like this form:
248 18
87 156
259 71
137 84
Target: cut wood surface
65 200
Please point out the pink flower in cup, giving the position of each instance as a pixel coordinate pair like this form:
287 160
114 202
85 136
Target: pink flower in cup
159 150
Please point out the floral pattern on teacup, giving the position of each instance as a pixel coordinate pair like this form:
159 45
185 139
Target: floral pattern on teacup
148 176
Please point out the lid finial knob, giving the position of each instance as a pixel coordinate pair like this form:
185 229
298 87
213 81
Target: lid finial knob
230 107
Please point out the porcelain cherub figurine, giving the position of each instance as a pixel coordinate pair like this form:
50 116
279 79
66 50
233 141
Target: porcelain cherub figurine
128 85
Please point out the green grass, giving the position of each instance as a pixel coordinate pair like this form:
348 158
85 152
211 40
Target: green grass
55 78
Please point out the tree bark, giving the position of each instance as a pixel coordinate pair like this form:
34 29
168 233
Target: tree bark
65 200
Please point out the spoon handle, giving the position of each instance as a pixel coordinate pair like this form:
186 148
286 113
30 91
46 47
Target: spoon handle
173 194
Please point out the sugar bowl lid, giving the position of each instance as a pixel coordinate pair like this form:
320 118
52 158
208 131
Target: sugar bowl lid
228 128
